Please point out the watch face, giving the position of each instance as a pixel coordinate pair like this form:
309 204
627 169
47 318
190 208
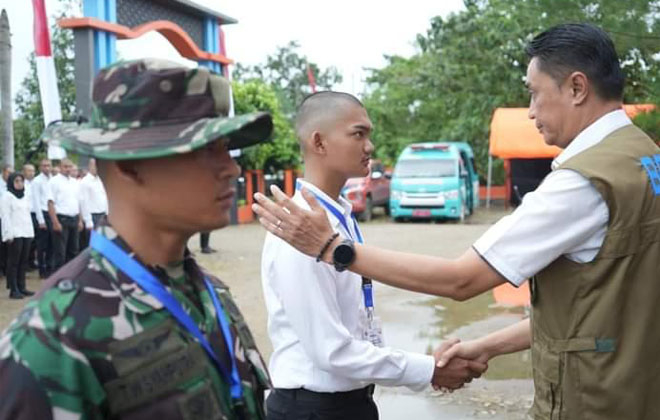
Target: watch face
344 254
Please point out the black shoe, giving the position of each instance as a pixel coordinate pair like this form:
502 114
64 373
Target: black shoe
16 295
208 250
27 293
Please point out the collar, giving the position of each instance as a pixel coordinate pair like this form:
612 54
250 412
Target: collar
592 135
137 299
343 206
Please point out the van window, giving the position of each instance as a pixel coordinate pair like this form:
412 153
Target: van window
427 168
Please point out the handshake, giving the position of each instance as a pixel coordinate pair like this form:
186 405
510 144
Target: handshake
458 363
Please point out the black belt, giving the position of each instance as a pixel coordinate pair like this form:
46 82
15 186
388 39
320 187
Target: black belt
65 217
333 398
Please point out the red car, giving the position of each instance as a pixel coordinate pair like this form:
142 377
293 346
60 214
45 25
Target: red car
369 192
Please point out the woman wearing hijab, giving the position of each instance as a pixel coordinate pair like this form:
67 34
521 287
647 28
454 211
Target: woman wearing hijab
17 233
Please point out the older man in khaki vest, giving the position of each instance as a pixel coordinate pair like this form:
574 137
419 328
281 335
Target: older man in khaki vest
588 237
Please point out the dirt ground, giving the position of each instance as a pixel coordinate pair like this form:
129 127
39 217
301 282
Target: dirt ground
411 321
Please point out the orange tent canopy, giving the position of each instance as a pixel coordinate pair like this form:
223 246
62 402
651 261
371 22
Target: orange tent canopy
514 136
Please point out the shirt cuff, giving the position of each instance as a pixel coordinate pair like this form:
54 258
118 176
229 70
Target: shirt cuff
500 265
419 371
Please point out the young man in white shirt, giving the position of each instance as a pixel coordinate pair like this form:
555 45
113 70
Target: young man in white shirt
65 214
43 233
327 347
28 172
93 201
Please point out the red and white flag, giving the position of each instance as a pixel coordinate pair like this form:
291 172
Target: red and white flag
310 78
50 96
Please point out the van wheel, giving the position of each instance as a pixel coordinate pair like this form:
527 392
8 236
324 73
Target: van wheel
365 216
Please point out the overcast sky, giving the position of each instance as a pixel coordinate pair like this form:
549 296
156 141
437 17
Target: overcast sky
348 34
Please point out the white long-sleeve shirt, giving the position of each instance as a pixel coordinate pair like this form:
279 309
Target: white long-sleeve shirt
565 215
93 198
16 219
316 321
64 192
40 193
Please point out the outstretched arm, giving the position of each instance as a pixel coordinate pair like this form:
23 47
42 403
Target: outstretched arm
308 230
511 339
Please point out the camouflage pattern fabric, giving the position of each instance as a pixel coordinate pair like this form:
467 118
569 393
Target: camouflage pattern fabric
93 345
152 108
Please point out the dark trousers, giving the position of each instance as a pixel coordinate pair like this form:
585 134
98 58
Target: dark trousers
44 240
85 234
65 243
17 263
300 404
204 239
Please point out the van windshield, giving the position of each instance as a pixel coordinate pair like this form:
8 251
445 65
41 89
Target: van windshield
426 168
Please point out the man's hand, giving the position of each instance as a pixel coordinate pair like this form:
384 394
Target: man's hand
472 350
42 226
455 371
305 230
57 226
81 226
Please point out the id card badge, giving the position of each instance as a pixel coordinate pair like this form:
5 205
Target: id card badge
374 332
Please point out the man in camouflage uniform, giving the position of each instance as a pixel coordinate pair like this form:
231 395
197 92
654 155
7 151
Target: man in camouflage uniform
94 344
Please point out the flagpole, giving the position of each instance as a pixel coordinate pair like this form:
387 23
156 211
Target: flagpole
46 74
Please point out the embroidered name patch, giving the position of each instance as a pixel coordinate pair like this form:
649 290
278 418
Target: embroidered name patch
652 166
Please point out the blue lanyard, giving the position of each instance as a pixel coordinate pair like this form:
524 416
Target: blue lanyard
153 286
367 287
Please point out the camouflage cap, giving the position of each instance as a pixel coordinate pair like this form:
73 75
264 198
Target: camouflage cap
152 108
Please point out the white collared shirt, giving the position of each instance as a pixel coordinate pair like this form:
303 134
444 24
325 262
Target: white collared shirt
316 321
565 215
15 215
29 193
93 198
64 192
40 193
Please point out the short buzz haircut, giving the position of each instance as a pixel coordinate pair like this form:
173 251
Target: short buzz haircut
582 47
317 104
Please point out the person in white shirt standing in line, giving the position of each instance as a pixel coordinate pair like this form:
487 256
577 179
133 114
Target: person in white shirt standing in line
43 235
28 172
17 233
94 201
65 215
327 344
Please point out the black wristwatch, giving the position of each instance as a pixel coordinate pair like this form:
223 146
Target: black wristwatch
343 255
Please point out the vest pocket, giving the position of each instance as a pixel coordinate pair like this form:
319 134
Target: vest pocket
548 399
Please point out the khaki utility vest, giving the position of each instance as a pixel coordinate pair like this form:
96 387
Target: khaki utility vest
596 326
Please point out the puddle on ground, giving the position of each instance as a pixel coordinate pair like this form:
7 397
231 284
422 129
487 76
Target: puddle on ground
419 323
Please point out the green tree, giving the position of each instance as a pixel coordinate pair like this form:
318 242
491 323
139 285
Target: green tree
473 62
282 151
286 72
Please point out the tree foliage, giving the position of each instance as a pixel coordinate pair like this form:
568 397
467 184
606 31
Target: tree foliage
282 151
473 61
286 72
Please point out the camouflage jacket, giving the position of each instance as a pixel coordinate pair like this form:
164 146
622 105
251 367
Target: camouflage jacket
93 345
